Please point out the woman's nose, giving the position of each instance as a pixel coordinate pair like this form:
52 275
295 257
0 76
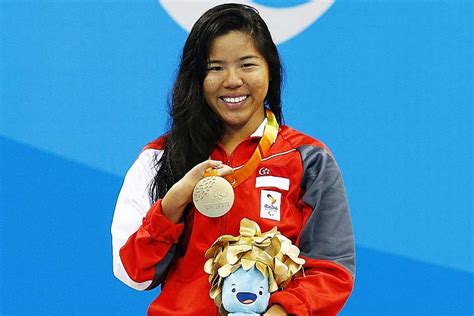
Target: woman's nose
233 79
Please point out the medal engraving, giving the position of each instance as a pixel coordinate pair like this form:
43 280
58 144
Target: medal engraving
213 196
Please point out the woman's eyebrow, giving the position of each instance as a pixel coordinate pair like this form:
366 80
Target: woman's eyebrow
216 61
248 57
220 61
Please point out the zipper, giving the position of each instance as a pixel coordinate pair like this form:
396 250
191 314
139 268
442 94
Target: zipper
229 162
223 224
226 159
223 219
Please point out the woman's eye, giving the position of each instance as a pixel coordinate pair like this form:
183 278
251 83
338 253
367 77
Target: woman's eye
215 68
247 65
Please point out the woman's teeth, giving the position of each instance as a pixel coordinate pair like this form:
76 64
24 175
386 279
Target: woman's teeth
234 100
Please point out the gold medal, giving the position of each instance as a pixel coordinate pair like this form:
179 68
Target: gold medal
213 196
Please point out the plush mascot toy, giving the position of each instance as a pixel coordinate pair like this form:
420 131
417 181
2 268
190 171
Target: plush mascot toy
243 270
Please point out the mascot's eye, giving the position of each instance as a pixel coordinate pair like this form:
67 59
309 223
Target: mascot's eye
233 290
260 292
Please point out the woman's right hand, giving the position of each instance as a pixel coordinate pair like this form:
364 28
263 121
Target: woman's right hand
181 193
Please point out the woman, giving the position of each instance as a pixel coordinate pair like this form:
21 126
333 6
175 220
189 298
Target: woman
229 74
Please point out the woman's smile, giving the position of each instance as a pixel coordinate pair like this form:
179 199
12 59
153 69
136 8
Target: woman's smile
234 101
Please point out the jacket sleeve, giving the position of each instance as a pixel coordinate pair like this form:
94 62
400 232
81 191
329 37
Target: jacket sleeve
143 240
326 241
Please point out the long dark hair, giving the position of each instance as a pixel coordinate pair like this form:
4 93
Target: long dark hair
195 129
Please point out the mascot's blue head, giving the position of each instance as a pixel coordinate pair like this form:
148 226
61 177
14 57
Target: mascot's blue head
245 292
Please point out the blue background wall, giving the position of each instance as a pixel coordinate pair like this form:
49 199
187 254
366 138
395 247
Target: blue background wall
385 84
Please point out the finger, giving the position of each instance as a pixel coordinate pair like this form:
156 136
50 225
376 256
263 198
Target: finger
220 166
209 172
214 163
205 165
225 170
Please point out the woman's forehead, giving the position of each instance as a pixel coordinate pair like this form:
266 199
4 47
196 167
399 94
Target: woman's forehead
233 46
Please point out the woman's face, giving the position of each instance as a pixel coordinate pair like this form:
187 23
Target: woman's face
236 84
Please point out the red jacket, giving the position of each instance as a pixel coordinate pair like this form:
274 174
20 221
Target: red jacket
298 171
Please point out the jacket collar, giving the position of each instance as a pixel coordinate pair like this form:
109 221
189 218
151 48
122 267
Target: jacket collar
260 129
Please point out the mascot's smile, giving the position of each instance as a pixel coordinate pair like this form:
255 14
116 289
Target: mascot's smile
246 297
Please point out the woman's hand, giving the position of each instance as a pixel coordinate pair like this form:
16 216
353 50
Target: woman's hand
181 193
276 310
193 176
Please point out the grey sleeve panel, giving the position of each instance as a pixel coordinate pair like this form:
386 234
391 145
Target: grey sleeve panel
327 234
161 269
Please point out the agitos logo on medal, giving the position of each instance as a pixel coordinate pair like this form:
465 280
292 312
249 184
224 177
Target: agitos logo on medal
283 22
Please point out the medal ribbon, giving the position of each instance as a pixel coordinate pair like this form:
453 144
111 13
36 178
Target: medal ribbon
268 138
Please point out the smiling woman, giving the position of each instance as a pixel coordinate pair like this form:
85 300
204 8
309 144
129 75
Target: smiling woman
227 122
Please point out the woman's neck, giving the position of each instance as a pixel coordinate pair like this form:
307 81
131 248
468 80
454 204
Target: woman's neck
230 141
234 136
